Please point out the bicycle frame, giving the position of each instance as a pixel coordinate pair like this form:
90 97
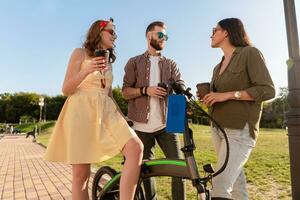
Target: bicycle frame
156 167
186 169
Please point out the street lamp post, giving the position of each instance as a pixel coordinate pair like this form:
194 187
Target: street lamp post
45 108
293 114
41 104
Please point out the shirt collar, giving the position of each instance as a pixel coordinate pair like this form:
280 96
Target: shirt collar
237 50
147 55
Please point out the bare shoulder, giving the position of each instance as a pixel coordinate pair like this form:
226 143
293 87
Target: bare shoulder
78 53
77 56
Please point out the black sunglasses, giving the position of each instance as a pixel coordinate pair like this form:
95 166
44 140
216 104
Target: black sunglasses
161 35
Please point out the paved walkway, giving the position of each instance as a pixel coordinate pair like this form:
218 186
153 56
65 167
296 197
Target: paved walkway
25 175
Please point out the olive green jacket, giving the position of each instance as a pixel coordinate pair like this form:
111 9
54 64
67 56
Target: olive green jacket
245 71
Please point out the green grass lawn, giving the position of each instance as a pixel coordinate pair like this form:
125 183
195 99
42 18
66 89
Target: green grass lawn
30 126
267 171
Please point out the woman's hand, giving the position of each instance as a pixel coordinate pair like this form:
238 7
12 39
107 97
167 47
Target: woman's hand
215 97
96 64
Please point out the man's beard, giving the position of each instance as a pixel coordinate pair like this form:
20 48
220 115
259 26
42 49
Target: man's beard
155 44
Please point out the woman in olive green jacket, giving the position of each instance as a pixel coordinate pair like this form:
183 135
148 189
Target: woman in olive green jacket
240 83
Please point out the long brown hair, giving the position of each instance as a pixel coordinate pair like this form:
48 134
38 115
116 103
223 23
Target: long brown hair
236 32
93 41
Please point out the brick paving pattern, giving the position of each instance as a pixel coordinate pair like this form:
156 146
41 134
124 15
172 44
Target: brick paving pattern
25 175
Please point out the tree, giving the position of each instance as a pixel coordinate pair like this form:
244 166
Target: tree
15 105
122 103
273 115
54 106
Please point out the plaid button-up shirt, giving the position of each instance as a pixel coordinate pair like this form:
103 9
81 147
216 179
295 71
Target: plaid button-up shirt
137 72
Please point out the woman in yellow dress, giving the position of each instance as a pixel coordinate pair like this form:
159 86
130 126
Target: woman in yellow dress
90 127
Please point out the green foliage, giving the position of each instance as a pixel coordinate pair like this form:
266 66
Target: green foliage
26 127
26 118
197 118
54 106
31 126
24 106
273 115
122 103
16 105
47 125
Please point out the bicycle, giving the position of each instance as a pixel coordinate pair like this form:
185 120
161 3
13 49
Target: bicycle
106 180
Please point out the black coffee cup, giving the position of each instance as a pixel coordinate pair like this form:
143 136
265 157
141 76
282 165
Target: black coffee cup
102 53
163 85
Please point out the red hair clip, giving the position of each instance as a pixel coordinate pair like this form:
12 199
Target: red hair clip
102 24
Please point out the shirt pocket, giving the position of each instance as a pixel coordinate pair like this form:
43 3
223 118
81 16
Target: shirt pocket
235 72
236 79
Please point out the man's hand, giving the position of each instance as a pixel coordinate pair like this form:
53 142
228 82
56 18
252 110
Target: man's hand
155 91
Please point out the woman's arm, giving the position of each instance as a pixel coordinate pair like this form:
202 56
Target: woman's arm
214 97
262 87
74 75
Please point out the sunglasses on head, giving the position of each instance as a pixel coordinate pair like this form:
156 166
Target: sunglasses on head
161 35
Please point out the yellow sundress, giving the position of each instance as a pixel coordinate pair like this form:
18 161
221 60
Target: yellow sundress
89 128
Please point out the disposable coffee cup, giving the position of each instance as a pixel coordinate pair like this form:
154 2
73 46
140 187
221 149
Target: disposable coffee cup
203 89
102 53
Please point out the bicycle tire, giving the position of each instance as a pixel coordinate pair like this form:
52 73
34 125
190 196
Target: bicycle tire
102 176
107 173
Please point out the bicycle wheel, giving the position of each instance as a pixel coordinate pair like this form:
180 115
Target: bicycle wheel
101 178
139 194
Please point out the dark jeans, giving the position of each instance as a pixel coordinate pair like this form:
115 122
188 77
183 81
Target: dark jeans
170 145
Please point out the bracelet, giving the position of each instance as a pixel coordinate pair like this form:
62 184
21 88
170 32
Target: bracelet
146 94
141 91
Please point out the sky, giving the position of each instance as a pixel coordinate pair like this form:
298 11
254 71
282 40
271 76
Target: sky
38 37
